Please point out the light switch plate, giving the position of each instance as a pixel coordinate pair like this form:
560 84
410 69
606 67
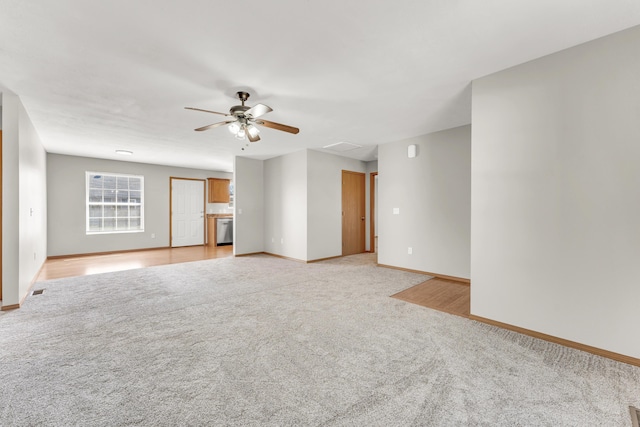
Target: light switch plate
396 211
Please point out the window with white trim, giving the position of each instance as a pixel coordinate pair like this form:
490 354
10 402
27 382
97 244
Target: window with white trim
115 203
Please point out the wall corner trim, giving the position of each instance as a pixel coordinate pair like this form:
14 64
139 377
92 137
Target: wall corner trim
250 254
285 257
550 338
311 261
460 280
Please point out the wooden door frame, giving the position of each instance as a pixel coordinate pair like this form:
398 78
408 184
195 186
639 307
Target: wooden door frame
1 215
204 208
364 234
372 216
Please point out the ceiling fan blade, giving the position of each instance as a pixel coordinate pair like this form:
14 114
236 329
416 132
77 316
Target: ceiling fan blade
215 125
253 139
205 111
258 110
278 126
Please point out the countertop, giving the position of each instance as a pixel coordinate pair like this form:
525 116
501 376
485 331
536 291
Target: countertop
219 215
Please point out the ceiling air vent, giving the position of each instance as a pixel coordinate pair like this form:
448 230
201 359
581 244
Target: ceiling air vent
342 146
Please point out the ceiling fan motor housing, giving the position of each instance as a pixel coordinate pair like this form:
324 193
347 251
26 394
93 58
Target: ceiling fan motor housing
238 110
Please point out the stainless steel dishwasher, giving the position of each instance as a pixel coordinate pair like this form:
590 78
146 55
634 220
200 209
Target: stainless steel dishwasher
224 231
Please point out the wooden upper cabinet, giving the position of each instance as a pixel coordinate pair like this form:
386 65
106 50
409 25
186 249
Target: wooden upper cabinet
218 190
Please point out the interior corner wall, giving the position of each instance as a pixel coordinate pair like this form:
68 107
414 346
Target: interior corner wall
555 206
24 221
432 192
66 187
325 202
285 205
249 217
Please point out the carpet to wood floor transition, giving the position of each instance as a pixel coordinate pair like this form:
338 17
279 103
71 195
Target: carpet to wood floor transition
439 294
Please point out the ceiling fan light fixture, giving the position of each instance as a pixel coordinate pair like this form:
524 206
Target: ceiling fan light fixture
253 131
241 133
234 128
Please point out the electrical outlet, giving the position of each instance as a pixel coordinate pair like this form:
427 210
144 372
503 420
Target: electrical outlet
410 251
282 240
396 211
153 235
273 239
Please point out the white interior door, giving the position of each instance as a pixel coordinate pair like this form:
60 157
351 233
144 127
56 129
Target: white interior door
187 212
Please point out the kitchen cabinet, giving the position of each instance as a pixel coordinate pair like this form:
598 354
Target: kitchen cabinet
218 190
211 231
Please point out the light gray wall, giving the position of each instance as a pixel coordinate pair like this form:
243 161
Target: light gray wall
325 202
33 202
285 201
555 208
67 201
10 200
249 206
24 222
433 193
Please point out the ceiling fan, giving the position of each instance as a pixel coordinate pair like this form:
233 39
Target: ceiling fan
242 120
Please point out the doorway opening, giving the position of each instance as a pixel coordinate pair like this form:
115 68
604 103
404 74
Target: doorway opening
373 212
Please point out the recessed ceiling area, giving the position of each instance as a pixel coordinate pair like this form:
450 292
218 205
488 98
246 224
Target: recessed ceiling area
96 77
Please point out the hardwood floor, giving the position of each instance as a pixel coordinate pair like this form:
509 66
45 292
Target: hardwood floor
440 294
93 264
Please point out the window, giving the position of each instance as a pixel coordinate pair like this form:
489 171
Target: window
115 203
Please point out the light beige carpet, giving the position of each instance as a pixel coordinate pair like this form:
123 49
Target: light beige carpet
262 341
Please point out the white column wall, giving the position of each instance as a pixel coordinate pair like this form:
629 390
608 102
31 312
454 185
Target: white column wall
249 216
555 194
285 205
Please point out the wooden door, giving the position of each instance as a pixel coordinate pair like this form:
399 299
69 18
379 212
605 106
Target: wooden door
187 212
353 213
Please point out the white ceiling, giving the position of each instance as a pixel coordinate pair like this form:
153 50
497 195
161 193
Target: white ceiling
96 76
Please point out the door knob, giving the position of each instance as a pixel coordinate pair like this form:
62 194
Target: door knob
362 218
